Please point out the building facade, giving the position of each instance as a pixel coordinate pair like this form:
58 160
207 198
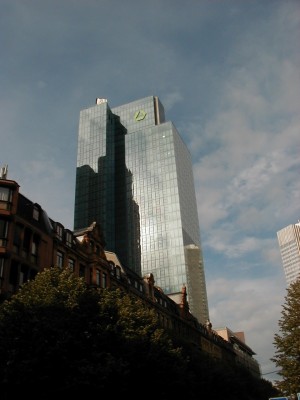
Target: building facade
244 354
289 245
134 176
30 242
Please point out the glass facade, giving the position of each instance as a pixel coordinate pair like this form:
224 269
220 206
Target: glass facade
134 176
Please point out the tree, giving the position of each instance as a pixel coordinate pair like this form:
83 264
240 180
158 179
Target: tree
60 339
287 342
42 329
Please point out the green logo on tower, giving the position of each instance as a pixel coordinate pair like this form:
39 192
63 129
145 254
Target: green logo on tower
140 115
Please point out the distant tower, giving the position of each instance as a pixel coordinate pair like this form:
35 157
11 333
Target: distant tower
134 176
289 244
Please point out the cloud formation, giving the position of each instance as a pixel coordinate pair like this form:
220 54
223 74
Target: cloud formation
228 76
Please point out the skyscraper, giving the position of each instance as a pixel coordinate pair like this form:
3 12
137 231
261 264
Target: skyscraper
134 176
289 244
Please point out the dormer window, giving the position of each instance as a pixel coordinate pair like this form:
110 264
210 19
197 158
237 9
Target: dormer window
36 213
69 239
118 272
59 231
112 267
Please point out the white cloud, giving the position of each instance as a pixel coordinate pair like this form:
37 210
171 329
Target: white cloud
251 306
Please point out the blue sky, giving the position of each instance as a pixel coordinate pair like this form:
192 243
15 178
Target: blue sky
227 73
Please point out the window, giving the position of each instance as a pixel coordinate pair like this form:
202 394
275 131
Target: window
98 275
5 198
23 276
59 231
3 232
111 267
69 239
34 248
17 238
1 268
59 259
104 280
82 271
5 194
32 273
36 213
26 242
71 264
13 272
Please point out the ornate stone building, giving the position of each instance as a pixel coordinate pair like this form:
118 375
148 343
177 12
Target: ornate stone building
30 241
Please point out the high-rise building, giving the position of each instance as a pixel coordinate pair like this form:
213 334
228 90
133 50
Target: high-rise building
289 244
134 176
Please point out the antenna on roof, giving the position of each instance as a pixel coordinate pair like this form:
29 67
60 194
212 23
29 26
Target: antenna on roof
3 172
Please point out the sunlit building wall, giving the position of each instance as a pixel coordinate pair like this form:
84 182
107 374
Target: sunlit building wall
289 244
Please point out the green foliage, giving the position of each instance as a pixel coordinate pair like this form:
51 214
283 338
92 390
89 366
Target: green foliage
58 336
287 342
60 339
52 286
